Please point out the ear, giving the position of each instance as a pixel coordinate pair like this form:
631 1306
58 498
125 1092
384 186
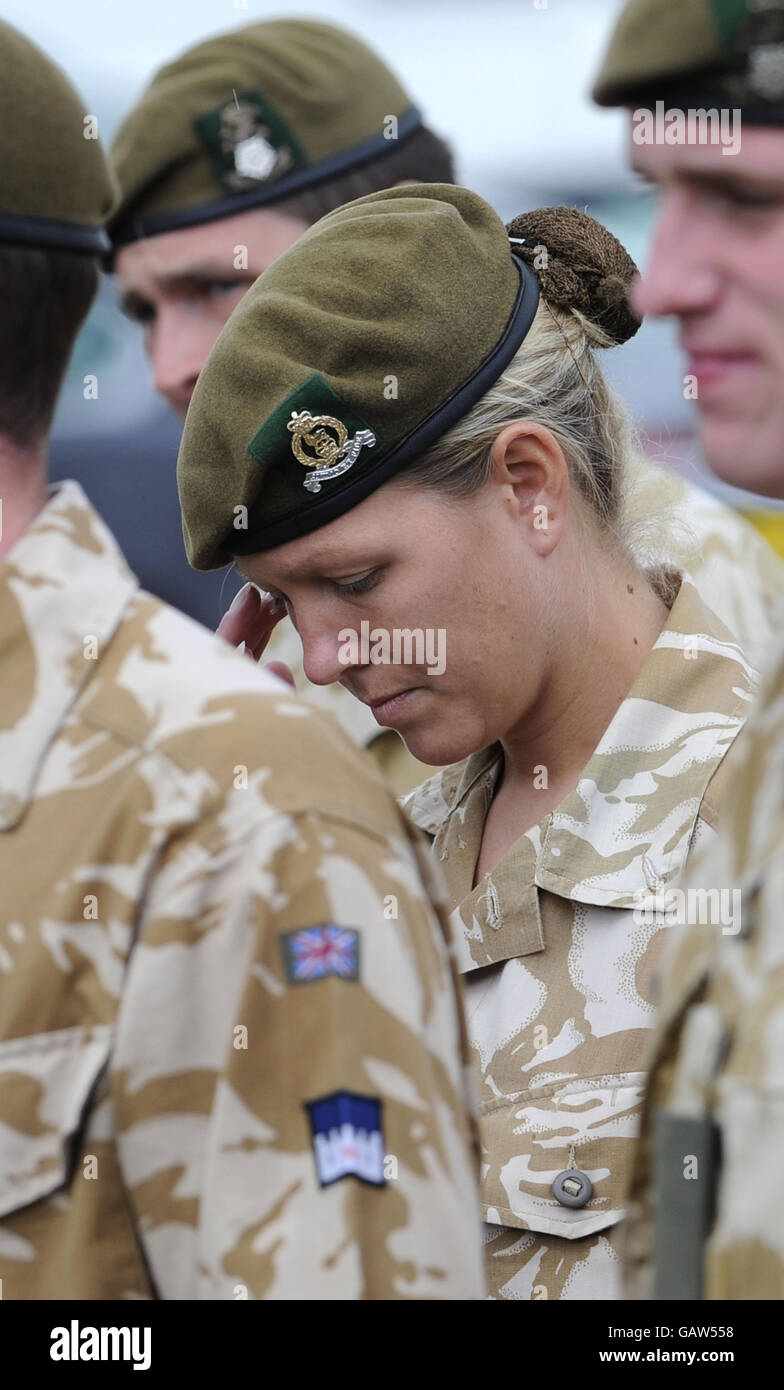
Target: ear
529 466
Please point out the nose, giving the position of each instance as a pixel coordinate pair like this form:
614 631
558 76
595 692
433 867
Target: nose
681 276
322 645
176 355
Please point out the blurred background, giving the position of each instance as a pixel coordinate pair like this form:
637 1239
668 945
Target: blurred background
506 82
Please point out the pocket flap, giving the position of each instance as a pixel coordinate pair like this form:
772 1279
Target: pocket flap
572 1127
45 1084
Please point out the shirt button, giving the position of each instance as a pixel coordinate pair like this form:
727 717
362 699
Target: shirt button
573 1188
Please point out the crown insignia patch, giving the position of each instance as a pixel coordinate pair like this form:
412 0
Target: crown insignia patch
248 142
321 442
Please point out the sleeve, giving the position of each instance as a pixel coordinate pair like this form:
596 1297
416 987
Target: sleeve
288 1080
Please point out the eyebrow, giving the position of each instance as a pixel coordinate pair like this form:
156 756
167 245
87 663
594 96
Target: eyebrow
719 181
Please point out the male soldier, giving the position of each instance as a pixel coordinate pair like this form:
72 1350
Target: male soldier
237 147
705 1218
230 1043
231 153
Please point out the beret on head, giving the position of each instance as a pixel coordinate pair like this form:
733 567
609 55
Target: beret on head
699 54
56 189
250 117
361 346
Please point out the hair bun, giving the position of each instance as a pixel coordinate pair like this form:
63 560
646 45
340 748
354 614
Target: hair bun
586 267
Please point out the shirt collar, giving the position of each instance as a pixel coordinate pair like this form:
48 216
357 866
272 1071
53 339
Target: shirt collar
64 587
624 832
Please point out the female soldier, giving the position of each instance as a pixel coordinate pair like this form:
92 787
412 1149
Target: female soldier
403 433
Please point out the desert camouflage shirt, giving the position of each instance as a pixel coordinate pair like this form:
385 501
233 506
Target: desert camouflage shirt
230 1048
706 1217
558 945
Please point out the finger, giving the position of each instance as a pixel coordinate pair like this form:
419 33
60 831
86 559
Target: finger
279 668
263 624
238 617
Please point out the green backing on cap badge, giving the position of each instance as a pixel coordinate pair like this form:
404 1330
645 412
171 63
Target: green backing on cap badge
316 438
249 143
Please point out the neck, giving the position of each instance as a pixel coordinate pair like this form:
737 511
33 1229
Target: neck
604 652
22 490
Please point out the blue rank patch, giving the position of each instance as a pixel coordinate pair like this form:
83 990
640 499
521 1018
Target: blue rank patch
312 953
347 1138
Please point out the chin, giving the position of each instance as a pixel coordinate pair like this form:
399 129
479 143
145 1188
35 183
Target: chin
746 458
434 747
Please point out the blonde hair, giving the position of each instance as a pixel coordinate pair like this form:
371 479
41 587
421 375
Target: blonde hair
554 379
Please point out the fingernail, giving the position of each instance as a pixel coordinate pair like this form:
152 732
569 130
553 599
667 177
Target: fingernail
240 597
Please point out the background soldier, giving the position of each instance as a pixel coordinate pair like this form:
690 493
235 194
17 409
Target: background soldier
241 144
705 1217
230 1044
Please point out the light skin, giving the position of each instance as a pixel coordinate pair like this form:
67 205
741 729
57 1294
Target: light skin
546 626
182 287
22 489
717 264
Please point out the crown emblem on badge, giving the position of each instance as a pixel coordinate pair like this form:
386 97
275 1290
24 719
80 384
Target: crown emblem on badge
322 442
245 139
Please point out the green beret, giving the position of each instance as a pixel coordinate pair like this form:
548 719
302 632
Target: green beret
249 118
56 189
700 54
349 356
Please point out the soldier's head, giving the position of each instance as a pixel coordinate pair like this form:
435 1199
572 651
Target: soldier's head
405 424
704 84
55 194
231 153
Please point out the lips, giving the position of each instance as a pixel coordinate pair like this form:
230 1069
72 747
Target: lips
387 708
712 366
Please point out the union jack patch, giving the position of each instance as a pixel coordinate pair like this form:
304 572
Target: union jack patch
312 953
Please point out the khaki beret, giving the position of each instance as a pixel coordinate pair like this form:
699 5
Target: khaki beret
348 357
698 53
56 189
250 117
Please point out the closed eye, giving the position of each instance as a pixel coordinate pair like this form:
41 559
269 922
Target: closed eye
358 586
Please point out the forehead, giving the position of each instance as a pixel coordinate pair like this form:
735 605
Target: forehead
361 536
261 230
759 153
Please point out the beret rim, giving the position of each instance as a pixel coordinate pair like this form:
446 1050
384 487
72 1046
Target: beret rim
128 229
53 233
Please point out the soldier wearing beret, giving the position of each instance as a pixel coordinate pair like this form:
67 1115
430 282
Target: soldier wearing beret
705 1220
587 705
231 1048
233 150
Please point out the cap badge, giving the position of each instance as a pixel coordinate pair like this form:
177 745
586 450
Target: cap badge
248 142
244 138
323 443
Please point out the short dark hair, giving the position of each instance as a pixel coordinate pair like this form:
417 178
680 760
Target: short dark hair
44 298
423 157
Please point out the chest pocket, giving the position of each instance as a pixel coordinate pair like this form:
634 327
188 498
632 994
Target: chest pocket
558 1162
46 1083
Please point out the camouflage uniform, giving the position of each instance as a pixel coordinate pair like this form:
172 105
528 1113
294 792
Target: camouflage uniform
717 1061
735 570
227 1069
559 943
